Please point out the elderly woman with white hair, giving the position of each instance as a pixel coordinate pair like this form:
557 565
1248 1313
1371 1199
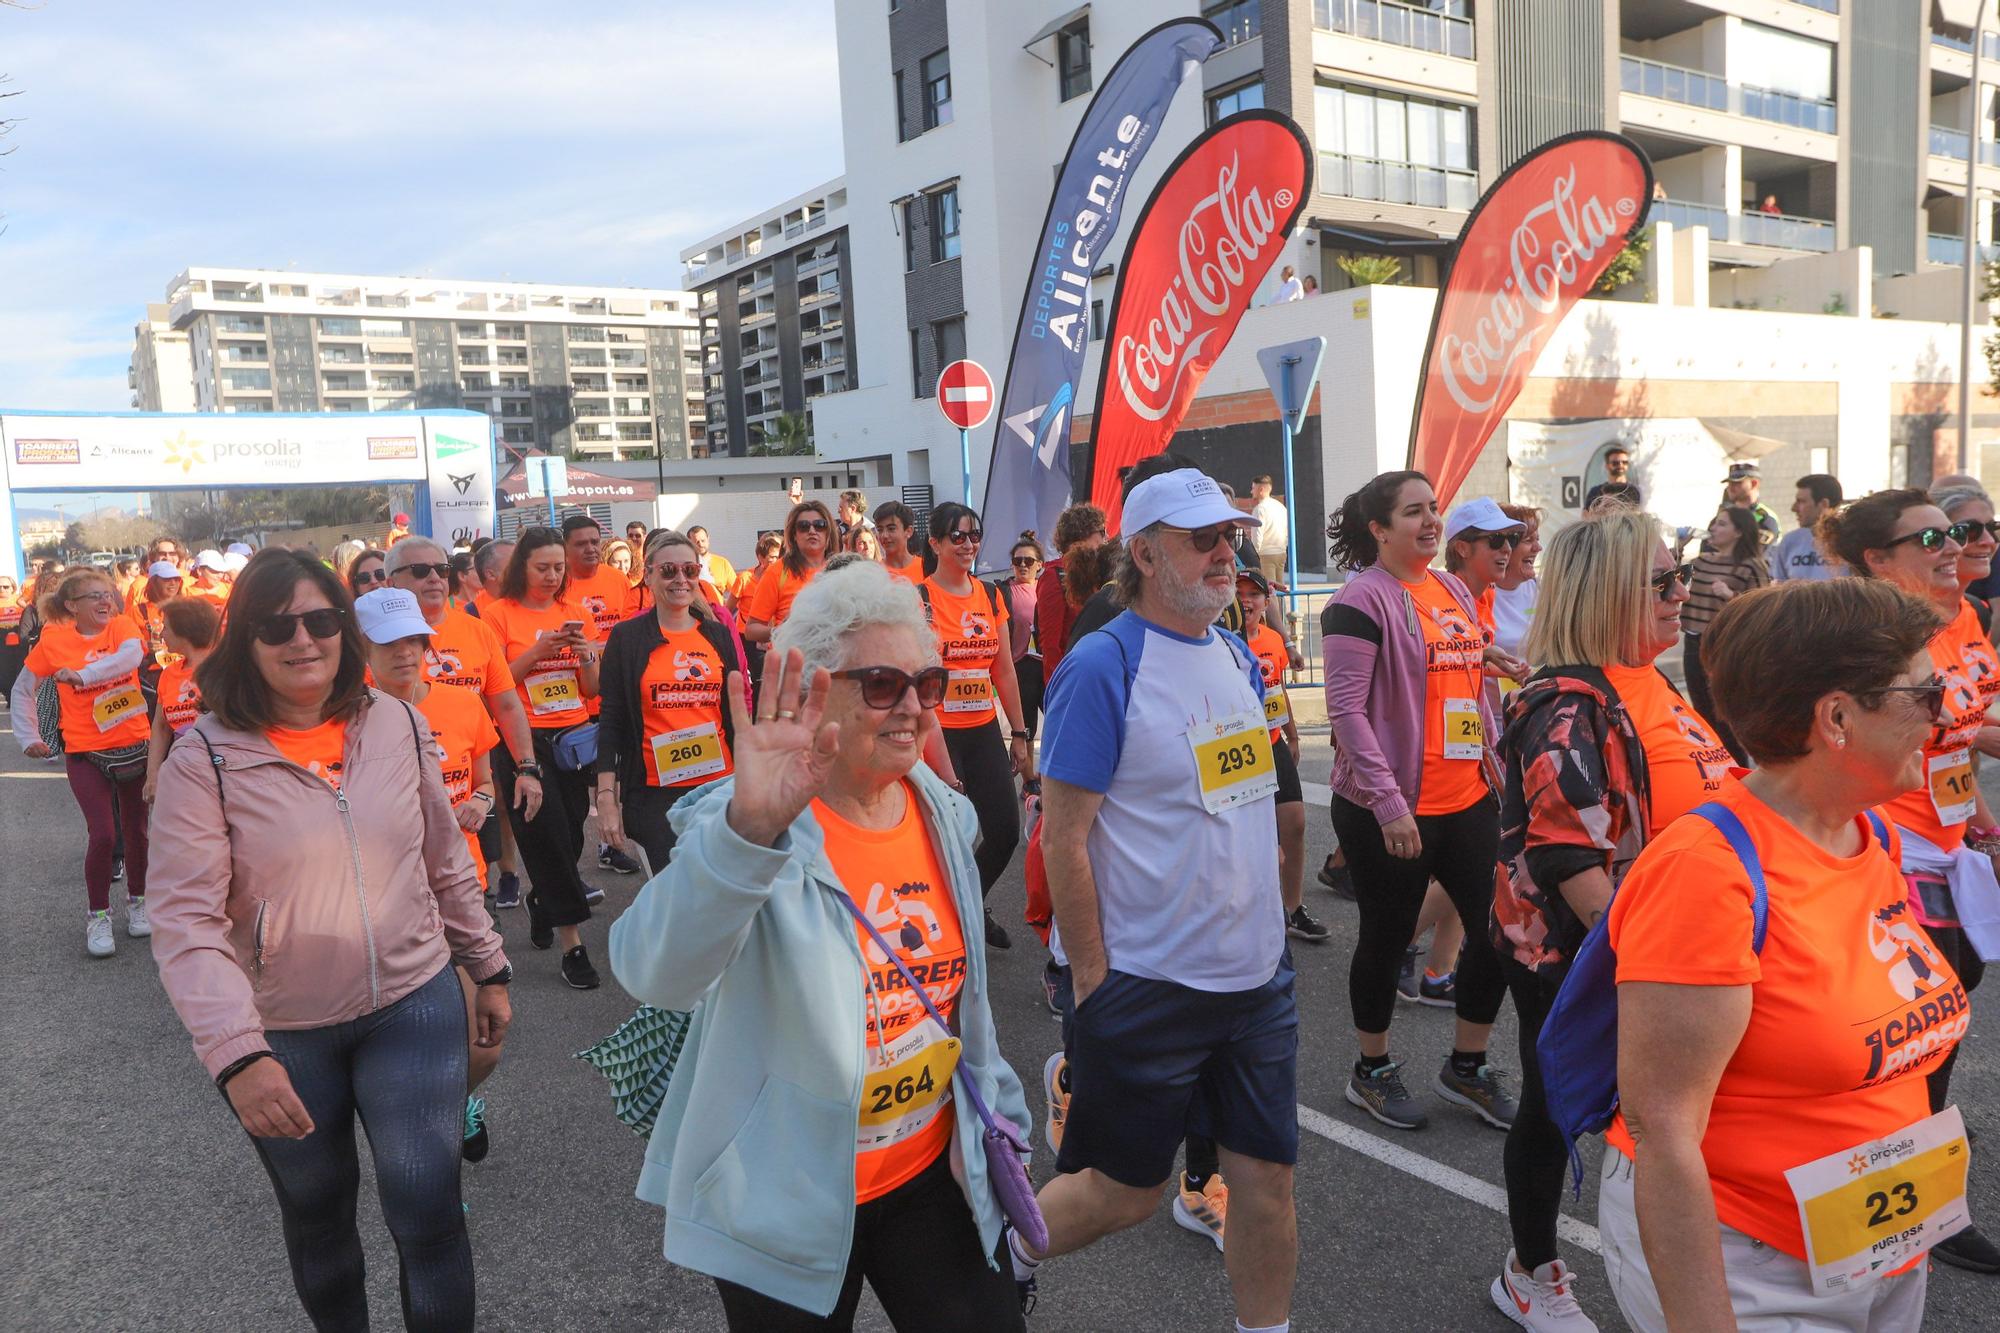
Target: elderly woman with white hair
819 1128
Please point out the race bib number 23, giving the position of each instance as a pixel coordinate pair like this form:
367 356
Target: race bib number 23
1867 1210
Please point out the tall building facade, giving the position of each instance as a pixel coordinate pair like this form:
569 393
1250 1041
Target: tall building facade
1783 128
590 372
773 294
161 375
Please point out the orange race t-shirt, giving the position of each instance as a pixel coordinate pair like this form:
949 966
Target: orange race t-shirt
1939 809
216 594
465 652
1482 605
771 602
971 632
318 750
137 596
107 716
1453 649
896 878
1685 763
680 709
462 732
1852 1004
912 573
180 699
606 595
553 691
1268 647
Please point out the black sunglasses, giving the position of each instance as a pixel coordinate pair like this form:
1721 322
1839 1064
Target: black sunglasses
1930 694
371 576
1973 527
1498 540
1932 539
1204 539
424 570
809 525
882 686
1024 562
279 628
1663 582
961 536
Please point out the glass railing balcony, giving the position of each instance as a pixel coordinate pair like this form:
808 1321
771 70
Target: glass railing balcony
1239 21
1396 24
1947 142
1785 232
1941 249
1824 6
1371 178
1712 92
1685 215
1963 43
240 324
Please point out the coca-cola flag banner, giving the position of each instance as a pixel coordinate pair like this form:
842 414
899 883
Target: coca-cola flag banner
1201 245
1028 481
1536 242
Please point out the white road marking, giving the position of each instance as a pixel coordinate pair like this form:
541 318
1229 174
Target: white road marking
1449 1179
1317 793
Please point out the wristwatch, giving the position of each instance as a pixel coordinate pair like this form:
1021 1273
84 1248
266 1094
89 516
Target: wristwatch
531 769
1018 736
500 978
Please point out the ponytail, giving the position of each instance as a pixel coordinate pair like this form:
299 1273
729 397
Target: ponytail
1354 546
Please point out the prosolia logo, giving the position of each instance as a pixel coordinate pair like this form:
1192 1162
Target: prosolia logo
183 453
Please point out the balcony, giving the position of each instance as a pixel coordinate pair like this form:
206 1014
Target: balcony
1397 25
240 326
1683 216
1823 6
829 292
1370 178
1712 92
1948 142
818 263
1955 42
752 318
592 407
1784 231
826 328
628 357
1951 250
1240 20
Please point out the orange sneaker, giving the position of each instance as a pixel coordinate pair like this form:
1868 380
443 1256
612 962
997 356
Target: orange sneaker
1058 1097
1202 1211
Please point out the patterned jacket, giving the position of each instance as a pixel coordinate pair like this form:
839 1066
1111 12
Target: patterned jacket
1575 798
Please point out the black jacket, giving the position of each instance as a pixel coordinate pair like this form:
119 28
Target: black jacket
621 731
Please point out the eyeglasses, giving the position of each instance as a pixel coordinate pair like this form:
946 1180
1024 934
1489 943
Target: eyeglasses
1663 582
1204 539
1932 539
1973 527
280 628
101 595
1930 694
1498 540
421 570
692 573
1025 562
368 576
962 536
882 686
809 525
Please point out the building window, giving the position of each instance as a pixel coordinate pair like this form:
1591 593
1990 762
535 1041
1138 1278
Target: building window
949 337
1243 97
936 70
1240 20
903 134
1097 321
1394 149
1073 59
944 224
919 388
910 215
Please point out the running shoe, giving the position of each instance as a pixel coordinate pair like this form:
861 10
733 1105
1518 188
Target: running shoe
1338 879
578 972
540 933
1382 1095
1300 925
1058 1098
996 935
614 858
136 924
117 868
1485 1092
592 895
1409 981
1969 1250
1439 992
477 1139
1542 1300
97 935
509 892
1202 1211
1052 987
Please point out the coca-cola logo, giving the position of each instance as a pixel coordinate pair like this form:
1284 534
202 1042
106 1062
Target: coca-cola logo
1214 271
1553 256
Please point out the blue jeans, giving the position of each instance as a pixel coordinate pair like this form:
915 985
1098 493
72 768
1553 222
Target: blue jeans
402 1070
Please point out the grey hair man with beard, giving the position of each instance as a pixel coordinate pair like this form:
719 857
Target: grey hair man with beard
1158 837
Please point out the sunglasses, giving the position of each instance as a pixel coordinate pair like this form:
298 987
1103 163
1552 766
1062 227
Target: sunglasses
1025 562
420 570
882 687
963 536
1204 539
692 573
1932 539
101 595
1973 527
1664 581
809 525
279 629
372 576
1930 694
1496 541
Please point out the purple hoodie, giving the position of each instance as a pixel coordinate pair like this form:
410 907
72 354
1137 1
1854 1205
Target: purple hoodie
1373 649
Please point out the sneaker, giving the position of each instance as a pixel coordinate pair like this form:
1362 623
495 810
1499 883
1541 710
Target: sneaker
592 895
509 892
578 972
136 924
1485 1092
1968 1250
477 1139
1058 1100
1337 878
117 868
1052 987
97 939
540 933
1301 926
1541 1300
996 935
1409 982
614 858
1439 992
1202 1211
1382 1095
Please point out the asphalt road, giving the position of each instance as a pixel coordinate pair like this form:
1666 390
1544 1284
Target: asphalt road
129 1199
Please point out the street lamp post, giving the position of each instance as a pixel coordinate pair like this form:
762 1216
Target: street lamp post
1971 256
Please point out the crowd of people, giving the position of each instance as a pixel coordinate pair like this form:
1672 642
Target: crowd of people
321 783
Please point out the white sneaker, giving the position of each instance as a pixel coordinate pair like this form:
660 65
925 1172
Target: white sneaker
136 924
1542 1300
97 936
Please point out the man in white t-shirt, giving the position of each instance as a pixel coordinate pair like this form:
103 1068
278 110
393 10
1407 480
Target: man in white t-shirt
1158 809
1289 287
1796 554
1273 529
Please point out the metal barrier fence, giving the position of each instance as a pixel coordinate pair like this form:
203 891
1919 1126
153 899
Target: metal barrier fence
1302 616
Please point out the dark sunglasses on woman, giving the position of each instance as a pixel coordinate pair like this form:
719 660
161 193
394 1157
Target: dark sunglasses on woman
371 576
278 629
1501 540
961 536
692 573
1025 562
882 686
1663 582
1930 694
809 525
1932 539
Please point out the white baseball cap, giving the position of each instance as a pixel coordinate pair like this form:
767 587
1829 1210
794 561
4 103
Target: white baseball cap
163 569
388 614
1483 514
239 548
210 559
235 562
1184 498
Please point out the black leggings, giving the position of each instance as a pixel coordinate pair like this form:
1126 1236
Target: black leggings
645 810
551 841
1702 698
980 756
1536 1155
918 1247
1460 851
1965 961
1028 671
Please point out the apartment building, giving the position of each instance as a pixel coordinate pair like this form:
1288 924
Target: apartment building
591 372
773 294
161 375
1782 128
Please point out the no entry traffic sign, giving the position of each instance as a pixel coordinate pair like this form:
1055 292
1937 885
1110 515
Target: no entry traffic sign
965 394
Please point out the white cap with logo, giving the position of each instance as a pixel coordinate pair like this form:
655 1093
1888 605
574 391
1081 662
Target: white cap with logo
1482 514
210 559
388 614
163 569
1184 498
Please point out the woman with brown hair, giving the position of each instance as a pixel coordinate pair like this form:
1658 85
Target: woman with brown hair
1731 563
312 893
368 571
809 537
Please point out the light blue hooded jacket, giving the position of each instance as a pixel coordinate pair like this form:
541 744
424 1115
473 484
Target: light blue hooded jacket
752 1155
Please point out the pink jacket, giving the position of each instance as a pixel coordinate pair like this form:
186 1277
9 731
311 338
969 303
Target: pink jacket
280 903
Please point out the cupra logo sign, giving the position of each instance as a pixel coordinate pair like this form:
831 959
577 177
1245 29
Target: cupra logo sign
183 453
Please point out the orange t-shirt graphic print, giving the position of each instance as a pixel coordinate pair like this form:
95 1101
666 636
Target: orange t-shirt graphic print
1454 652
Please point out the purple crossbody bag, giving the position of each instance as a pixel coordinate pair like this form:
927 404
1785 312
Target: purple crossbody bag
1002 1141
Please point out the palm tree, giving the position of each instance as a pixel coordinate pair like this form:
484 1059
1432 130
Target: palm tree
785 435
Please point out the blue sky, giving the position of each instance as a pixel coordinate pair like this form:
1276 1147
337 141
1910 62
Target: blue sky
538 142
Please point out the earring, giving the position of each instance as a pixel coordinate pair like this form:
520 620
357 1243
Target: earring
1840 742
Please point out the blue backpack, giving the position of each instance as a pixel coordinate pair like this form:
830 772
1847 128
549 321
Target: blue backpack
1578 1046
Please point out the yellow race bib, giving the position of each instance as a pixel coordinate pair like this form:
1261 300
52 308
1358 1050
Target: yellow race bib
553 692
1233 763
692 752
113 707
969 691
1868 1209
1953 787
1464 729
